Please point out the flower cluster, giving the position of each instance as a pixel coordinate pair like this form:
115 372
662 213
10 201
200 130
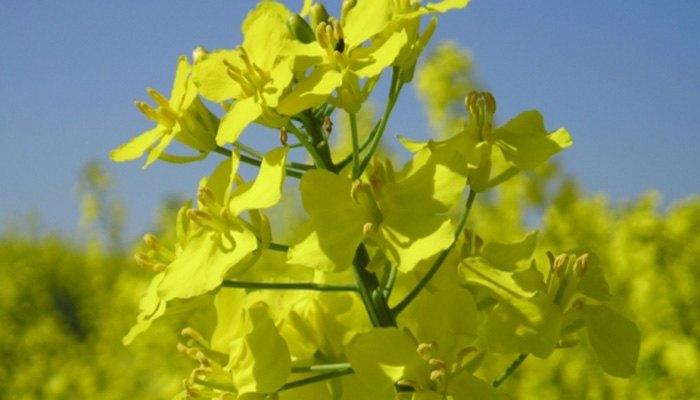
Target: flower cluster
381 289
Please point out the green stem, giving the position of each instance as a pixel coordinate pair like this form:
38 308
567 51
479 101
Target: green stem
320 163
502 177
395 89
314 127
246 149
314 379
355 147
321 287
321 368
436 265
366 142
370 291
255 161
509 371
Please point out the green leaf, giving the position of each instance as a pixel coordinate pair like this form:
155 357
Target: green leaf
382 356
525 143
614 339
506 255
529 325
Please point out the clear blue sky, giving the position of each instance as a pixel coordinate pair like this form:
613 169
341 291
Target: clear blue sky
622 76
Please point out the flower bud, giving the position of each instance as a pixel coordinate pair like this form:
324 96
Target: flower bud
318 14
300 29
560 263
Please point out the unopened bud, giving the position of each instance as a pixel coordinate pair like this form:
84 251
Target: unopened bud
581 265
283 136
318 14
300 29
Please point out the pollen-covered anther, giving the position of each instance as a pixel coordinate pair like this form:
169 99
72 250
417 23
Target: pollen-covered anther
198 216
369 229
144 260
425 349
409 382
436 363
152 242
199 372
470 102
465 352
207 197
581 265
437 375
203 359
198 53
189 390
550 257
321 35
148 111
160 267
560 263
194 335
187 351
490 102
354 189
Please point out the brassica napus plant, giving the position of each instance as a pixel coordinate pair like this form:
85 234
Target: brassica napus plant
332 325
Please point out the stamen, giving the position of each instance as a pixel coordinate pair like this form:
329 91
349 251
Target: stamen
439 364
328 125
198 53
356 186
369 229
560 263
409 382
158 98
490 102
148 111
581 265
321 35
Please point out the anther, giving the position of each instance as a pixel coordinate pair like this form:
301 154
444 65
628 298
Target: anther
206 197
158 98
198 53
152 242
321 35
490 102
356 186
437 375
439 364
424 348
560 263
581 265
369 229
550 257
203 359
144 260
465 352
148 111
194 335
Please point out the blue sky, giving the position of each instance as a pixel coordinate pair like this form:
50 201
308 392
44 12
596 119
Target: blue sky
621 76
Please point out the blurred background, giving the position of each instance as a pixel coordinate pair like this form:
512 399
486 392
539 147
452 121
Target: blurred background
621 77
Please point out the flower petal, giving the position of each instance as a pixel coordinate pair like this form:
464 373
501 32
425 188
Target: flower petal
238 117
311 91
266 190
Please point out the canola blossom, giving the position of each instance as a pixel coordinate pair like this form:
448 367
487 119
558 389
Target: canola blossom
377 289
